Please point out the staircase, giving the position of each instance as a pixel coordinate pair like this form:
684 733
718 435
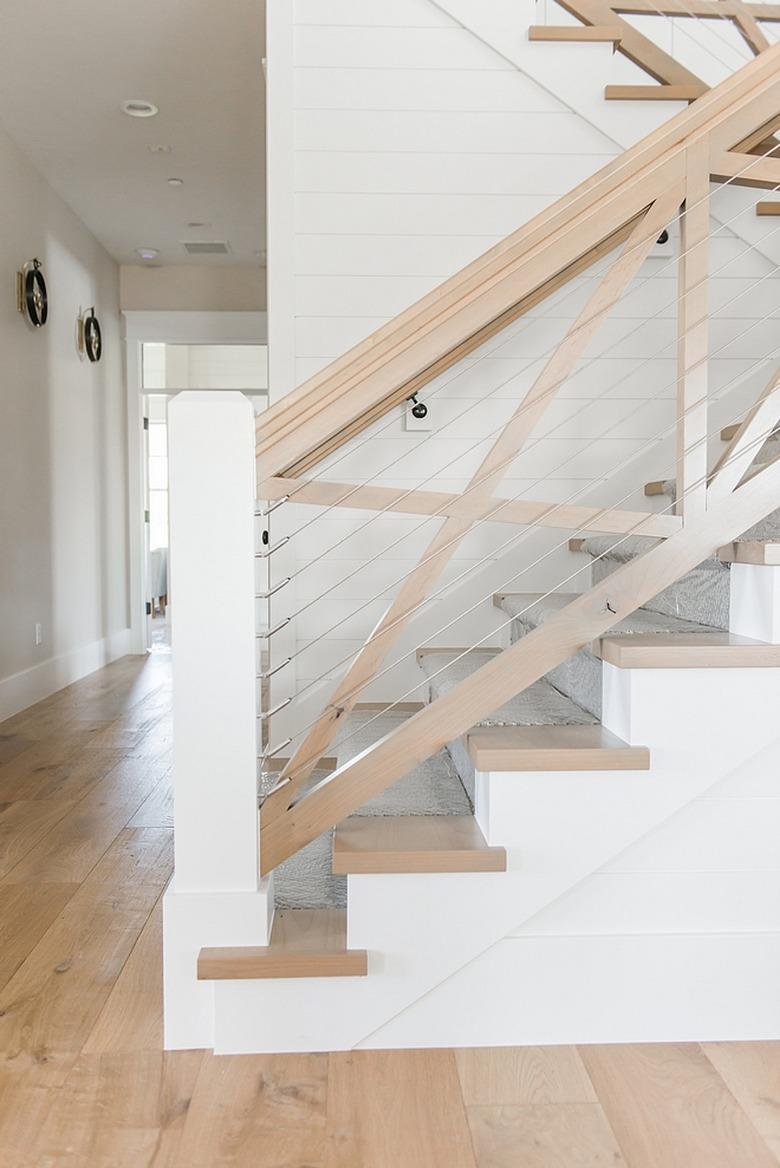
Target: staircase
422 867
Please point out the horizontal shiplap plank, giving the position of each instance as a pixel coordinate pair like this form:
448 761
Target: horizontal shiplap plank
430 89
405 13
663 902
616 989
545 458
364 47
358 295
712 835
412 214
485 174
370 579
439 132
388 255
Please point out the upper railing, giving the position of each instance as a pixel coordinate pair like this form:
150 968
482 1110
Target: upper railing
654 60
612 220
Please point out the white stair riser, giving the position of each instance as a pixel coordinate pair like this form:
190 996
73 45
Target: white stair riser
755 602
699 724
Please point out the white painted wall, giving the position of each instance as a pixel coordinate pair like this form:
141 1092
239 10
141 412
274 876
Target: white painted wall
63 452
420 138
192 288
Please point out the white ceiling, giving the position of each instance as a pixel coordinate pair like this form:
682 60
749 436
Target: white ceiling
66 67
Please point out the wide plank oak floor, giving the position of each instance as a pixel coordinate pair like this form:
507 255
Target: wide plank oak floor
85 854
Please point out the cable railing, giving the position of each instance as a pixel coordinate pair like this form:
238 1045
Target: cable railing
694 524
505 502
476 405
532 529
755 445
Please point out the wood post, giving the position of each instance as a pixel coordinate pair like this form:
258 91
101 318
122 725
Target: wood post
693 336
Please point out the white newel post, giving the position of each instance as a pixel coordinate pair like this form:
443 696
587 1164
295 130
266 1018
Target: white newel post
216 896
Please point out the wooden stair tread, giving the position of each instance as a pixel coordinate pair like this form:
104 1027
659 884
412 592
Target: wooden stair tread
751 552
715 650
565 32
654 92
768 207
413 843
304 943
429 650
553 748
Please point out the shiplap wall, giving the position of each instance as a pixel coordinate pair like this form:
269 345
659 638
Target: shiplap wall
416 147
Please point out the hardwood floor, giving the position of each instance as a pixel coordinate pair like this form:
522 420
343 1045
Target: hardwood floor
85 853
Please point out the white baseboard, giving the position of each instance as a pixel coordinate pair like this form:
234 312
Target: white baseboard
24 689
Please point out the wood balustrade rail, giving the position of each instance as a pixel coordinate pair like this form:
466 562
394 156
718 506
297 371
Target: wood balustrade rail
629 202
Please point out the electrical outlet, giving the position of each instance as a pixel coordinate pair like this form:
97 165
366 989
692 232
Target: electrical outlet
38 633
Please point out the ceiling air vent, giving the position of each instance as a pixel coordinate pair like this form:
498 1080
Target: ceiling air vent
197 247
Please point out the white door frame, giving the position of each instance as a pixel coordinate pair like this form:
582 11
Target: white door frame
172 328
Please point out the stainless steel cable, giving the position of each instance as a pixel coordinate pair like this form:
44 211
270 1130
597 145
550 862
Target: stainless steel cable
657 438
476 404
506 501
757 443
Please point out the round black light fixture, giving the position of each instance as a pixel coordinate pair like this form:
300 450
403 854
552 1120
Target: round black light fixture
663 237
33 298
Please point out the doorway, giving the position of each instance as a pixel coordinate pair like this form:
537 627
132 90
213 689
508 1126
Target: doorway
166 370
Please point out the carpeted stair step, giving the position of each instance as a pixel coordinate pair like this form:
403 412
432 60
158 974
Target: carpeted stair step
579 678
541 704
701 596
417 843
304 943
433 788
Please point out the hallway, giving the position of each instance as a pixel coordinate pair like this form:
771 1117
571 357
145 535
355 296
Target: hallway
85 853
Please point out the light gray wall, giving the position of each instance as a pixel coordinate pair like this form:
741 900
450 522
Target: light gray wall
63 450
192 288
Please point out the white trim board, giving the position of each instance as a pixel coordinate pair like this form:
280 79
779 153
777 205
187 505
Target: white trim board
24 689
600 989
197 328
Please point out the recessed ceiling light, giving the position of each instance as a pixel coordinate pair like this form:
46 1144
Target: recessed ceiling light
155 149
175 182
147 253
137 107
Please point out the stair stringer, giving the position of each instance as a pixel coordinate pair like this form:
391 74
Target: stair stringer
420 930
576 73
543 985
